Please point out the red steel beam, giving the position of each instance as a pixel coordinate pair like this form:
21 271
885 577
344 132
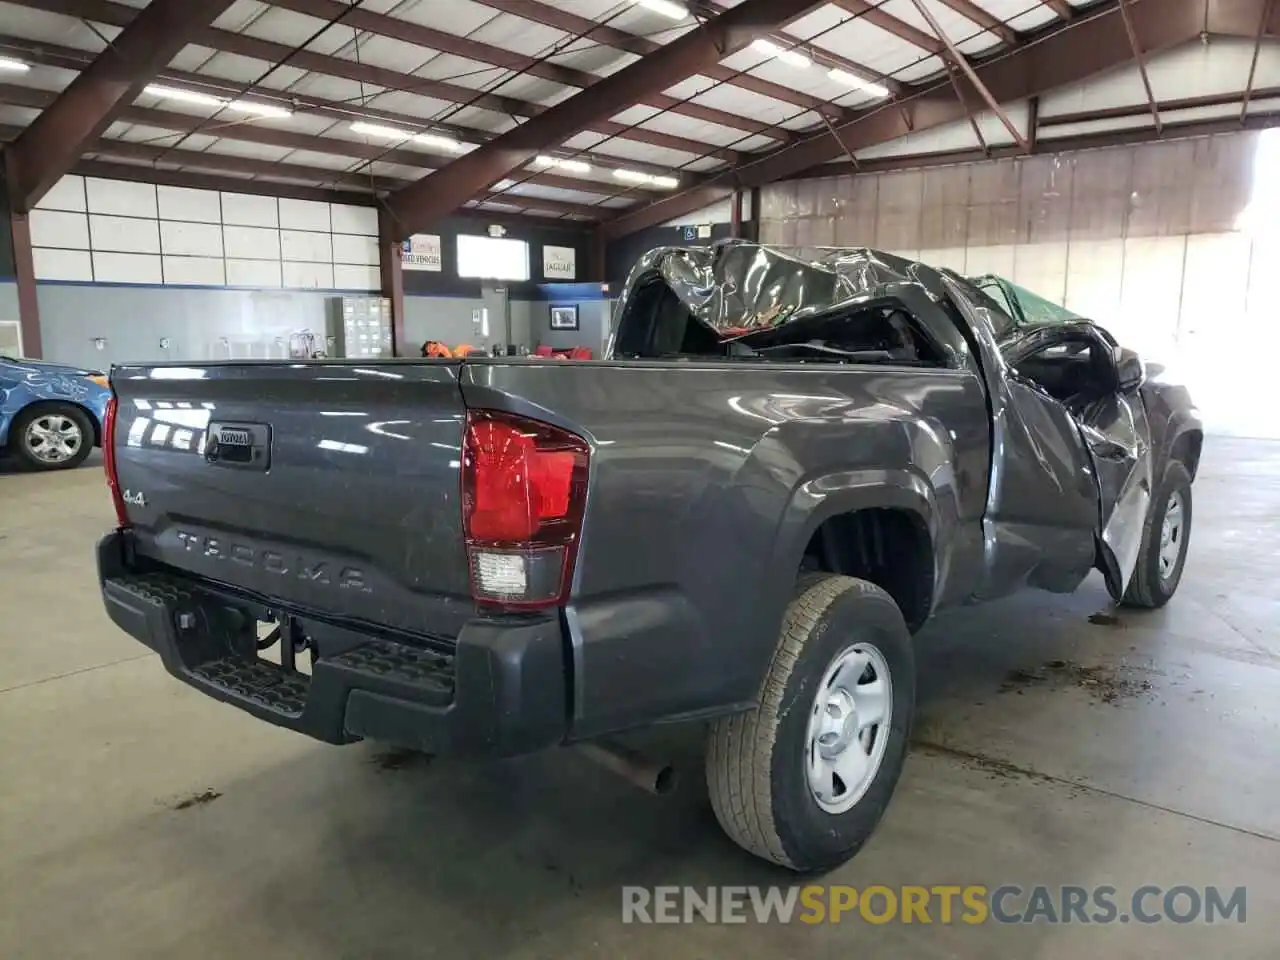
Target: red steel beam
983 18
536 11
973 120
391 274
1055 57
1165 106
871 13
201 180
1138 54
290 140
69 58
423 36
960 61
1085 141
448 188
1253 63
820 55
52 144
118 14
217 175
1061 7
24 270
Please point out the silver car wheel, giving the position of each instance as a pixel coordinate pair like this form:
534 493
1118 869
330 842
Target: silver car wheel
53 438
849 727
1172 535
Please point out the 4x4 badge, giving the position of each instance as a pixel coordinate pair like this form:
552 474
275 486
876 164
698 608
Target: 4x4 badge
136 499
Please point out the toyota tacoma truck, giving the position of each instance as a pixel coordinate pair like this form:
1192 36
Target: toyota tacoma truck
782 468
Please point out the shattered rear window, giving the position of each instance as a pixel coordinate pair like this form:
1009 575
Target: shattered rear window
744 301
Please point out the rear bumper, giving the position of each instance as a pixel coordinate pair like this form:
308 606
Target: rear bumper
500 691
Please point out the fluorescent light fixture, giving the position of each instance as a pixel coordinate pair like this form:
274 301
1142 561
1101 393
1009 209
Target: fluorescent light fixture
13 66
573 166
435 140
184 96
259 109
631 176
209 100
665 7
378 130
793 58
635 176
857 82
395 133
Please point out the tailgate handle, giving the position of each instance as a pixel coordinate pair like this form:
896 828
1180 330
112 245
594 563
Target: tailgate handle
245 446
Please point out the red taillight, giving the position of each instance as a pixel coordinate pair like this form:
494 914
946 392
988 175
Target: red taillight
109 461
524 489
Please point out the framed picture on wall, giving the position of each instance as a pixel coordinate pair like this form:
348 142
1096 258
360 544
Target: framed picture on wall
564 317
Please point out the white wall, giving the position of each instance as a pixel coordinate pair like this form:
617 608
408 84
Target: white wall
110 231
721 212
1150 289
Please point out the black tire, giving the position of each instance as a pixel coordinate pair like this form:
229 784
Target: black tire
756 761
1148 588
21 443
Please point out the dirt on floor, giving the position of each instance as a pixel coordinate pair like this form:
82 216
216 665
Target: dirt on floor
1104 683
399 759
198 799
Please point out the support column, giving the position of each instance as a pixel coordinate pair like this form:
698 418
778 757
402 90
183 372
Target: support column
392 275
25 274
597 267
735 215
753 224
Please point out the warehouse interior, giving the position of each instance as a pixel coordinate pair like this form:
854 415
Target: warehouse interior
218 181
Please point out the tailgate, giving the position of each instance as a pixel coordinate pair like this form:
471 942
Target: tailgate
331 488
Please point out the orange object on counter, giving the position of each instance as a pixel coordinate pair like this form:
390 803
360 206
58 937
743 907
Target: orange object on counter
434 348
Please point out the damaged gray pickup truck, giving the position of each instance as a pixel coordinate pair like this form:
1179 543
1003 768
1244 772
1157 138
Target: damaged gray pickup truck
783 468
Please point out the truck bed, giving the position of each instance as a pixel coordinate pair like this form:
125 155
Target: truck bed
701 483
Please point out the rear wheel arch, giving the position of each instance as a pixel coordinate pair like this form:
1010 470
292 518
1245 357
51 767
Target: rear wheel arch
897 504
889 546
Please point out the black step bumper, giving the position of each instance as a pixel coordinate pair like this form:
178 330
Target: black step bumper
499 691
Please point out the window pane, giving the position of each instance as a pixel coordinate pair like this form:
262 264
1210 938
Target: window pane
492 258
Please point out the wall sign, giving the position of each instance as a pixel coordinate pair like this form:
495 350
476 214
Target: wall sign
421 252
559 263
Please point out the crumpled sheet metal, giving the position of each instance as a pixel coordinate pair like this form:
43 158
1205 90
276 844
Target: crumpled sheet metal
742 286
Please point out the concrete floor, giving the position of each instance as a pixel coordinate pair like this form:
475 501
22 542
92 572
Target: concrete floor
1023 773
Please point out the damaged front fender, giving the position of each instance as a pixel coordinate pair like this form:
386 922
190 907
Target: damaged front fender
1119 442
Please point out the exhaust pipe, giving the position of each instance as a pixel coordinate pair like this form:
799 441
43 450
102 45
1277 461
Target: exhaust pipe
650 775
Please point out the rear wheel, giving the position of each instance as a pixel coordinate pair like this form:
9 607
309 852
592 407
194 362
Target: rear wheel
803 779
1164 541
51 436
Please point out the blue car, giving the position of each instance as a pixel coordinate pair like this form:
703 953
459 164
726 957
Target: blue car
51 415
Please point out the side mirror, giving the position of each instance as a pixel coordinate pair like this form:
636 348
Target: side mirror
1131 371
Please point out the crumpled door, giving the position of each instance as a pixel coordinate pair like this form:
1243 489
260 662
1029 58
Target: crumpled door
1118 436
